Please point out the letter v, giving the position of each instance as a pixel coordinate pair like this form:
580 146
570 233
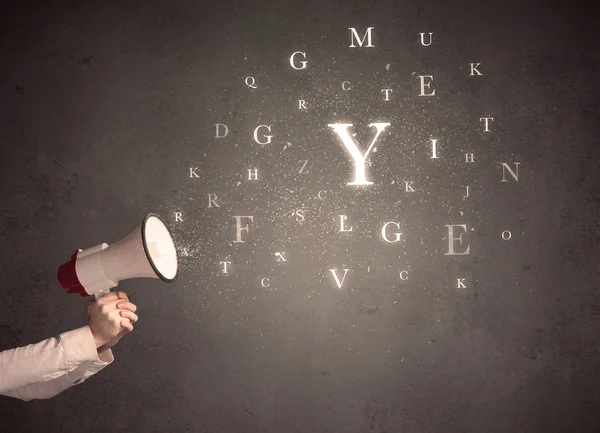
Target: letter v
337 280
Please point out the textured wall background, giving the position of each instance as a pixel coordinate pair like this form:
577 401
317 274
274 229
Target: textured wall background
106 107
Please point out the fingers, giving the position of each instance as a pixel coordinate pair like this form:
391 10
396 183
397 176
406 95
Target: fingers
126 305
121 312
115 306
127 325
119 303
112 297
129 315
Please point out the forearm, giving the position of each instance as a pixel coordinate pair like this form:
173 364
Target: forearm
50 388
35 362
52 365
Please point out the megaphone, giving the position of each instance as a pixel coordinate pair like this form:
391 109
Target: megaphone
148 252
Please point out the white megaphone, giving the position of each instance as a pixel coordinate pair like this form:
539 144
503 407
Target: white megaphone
148 252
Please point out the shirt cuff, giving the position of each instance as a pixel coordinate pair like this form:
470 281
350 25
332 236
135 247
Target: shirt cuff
105 357
80 348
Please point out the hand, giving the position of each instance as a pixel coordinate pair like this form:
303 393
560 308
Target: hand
106 317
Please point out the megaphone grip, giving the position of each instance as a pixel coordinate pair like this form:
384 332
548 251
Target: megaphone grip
101 293
104 293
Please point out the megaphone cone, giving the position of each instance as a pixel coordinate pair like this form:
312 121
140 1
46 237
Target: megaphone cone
147 252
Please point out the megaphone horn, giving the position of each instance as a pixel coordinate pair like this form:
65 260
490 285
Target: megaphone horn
148 252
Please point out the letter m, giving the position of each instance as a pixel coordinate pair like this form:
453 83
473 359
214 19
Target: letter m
359 41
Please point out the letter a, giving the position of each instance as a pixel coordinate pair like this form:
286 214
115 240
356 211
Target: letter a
359 160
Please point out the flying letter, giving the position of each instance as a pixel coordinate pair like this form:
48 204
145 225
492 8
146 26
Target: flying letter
354 34
239 228
452 239
359 160
303 62
337 280
384 233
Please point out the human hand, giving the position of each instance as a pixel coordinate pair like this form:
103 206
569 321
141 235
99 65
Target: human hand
111 317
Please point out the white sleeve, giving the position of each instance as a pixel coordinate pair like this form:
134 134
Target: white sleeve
47 368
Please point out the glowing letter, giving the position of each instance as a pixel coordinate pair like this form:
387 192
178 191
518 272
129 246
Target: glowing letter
433 149
359 160
461 284
512 173
178 216
303 165
474 69
343 85
342 218
423 39
262 282
212 198
239 227
281 256
268 137
487 126
192 172
424 84
302 62
354 34
387 94
217 135
253 172
224 266
383 232
451 240
301 104
506 235
337 280
470 157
